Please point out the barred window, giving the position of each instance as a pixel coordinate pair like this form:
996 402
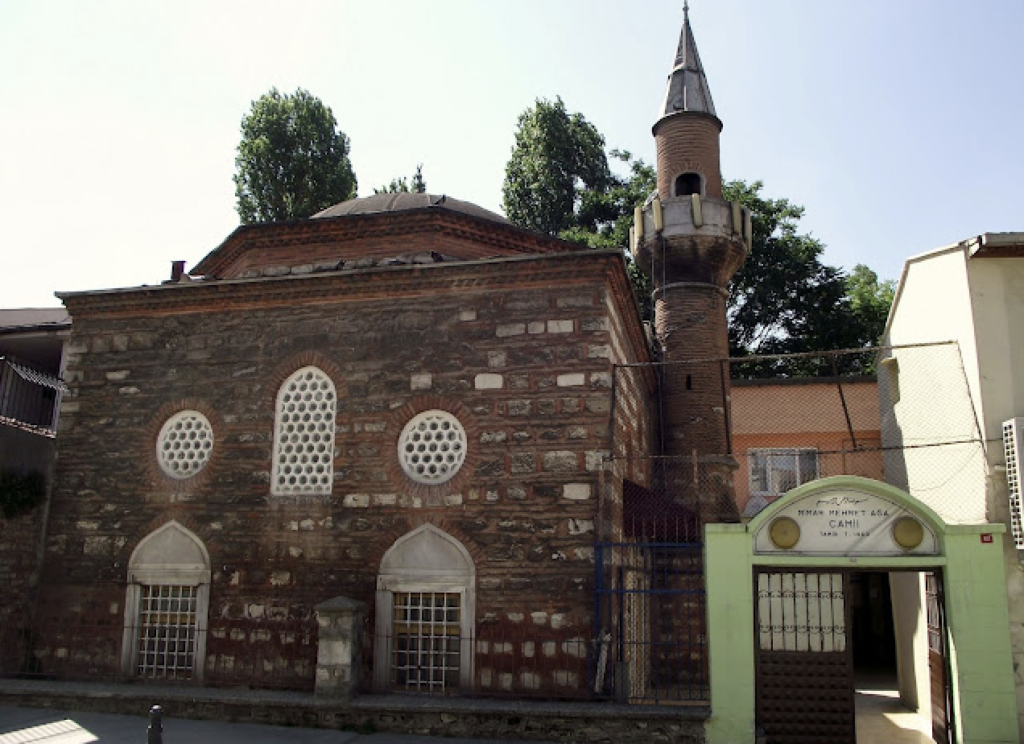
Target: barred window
184 444
427 627
425 615
304 434
773 472
166 632
432 447
166 606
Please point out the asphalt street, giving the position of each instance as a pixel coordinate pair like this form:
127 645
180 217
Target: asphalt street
48 726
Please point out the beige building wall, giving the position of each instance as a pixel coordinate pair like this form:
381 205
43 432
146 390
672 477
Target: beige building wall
806 414
962 293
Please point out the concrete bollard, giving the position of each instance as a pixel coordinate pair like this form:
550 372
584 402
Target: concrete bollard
156 725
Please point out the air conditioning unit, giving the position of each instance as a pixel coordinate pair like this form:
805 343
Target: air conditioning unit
1013 448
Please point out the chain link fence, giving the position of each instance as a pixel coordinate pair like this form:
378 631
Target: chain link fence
906 419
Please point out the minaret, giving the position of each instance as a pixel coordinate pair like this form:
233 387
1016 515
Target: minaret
690 242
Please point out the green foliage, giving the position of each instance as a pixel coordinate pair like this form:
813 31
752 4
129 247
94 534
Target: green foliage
606 216
292 159
20 493
870 299
784 300
558 159
415 185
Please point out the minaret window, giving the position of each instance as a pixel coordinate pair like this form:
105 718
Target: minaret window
689 183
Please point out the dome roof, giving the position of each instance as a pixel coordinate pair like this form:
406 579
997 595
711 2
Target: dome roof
403 202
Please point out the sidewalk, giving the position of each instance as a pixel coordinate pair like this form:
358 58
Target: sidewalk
39 726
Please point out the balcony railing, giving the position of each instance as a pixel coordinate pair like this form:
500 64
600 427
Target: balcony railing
29 397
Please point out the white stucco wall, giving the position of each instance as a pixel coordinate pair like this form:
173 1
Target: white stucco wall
937 389
979 303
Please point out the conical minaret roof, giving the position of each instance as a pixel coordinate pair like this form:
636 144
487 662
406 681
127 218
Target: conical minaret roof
687 85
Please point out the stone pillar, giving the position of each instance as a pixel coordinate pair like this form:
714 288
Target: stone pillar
339 648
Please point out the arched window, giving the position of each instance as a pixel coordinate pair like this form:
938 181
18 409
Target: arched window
166 606
304 434
425 614
688 183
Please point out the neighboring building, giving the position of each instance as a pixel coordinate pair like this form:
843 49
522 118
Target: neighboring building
787 432
946 405
31 360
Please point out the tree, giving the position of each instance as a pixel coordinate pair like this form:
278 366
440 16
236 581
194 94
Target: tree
784 300
870 300
557 160
415 185
292 159
605 217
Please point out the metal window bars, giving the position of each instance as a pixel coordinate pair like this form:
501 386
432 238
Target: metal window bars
166 632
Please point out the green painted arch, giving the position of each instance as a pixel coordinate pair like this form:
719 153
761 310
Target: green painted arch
856 483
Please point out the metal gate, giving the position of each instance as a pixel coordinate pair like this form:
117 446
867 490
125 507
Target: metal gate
938 671
804 660
651 624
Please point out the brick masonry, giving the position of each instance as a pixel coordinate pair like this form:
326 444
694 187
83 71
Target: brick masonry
521 352
688 143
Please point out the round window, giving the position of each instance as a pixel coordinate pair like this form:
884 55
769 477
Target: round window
184 444
432 447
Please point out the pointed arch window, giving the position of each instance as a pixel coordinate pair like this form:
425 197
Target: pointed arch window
425 614
304 434
166 606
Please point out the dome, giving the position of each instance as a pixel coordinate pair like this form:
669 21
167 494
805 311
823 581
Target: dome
404 202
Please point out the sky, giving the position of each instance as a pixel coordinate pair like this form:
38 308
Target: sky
897 124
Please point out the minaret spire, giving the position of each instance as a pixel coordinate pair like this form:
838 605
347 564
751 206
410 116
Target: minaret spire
687 88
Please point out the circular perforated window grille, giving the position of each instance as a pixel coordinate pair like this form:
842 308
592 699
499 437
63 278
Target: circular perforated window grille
432 447
304 436
184 444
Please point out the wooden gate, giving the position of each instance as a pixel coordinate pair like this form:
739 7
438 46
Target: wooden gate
804 659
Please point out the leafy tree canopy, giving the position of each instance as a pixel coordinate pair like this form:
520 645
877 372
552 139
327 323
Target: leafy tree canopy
292 159
784 300
870 298
415 185
557 160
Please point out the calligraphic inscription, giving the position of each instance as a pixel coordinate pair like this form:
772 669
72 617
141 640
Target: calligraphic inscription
848 522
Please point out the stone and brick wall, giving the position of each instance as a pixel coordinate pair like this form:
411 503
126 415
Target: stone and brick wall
519 351
19 566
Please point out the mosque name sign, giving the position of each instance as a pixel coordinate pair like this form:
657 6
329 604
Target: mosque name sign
845 522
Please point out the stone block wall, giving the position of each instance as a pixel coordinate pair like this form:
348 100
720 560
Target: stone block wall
521 354
19 566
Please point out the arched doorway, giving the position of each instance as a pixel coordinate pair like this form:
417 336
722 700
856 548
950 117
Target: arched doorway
785 581
425 614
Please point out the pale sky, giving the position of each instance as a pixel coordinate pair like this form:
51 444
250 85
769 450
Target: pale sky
896 123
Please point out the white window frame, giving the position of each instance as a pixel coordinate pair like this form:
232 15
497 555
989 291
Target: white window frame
175 559
440 454
200 445
417 569
324 458
773 473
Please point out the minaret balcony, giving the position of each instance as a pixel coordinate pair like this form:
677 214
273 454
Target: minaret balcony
691 238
